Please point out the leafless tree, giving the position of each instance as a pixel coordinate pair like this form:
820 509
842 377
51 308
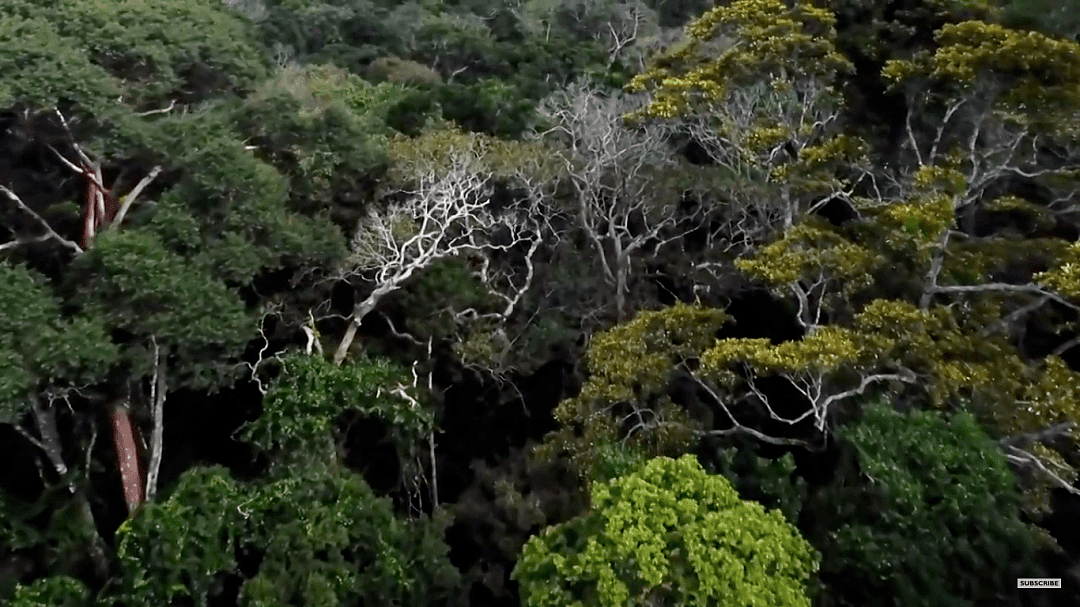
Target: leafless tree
618 177
448 214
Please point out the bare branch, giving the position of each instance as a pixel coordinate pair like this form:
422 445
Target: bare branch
166 110
1019 456
50 233
1023 440
130 198
1006 288
448 215
737 427
615 172
158 392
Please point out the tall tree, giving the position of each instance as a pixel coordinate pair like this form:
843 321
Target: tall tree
912 289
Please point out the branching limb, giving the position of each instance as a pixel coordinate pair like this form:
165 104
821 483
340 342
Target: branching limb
1023 440
50 234
1021 457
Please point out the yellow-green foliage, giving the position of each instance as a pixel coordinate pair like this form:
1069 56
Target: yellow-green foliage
632 364
808 251
445 146
1041 74
668 534
822 351
758 38
952 348
402 71
1065 278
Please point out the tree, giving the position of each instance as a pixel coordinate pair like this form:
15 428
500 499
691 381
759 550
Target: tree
753 85
1060 18
667 534
318 532
909 290
47 361
58 591
326 131
617 24
446 212
926 512
626 398
144 106
622 201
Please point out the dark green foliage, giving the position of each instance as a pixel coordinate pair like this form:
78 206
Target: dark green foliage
42 69
182 546
616 459
330 541
16 531
323 539
326 131
932 517
1055 17
490 106
135 285
770 482
669 534
322 535
504 506
40 348
186 52
241 203
296 425
349 33
440 290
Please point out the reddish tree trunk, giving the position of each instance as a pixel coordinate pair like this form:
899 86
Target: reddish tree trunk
100 208
127 455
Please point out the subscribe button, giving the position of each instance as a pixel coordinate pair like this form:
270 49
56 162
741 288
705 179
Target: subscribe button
1043 582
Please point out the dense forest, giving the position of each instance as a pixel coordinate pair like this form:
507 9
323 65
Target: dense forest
539 303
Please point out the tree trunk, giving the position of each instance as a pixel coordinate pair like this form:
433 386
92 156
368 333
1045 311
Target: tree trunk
127 454
359 312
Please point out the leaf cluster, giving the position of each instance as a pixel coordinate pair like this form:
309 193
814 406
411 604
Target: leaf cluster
669 533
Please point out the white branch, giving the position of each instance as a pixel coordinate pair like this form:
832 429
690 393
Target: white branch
49 232
158 392
130 198
447 215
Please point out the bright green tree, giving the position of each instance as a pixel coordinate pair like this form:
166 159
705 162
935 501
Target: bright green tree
56 591
667 534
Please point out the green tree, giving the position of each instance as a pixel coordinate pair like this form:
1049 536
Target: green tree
56 591
753 83
1055 17
47 358
669 533
320 533
926 513
326 131
116 95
